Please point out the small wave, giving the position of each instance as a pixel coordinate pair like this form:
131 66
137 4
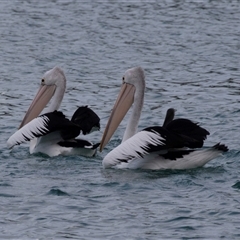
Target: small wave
57 192
6 195
236 185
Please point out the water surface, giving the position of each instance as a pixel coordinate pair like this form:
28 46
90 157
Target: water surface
190 53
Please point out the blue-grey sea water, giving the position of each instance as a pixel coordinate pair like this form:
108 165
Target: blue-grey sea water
190 51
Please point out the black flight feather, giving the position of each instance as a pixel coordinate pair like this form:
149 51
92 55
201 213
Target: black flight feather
86 119
191 132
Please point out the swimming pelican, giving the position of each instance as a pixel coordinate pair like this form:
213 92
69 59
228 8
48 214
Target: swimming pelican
171 146
52 133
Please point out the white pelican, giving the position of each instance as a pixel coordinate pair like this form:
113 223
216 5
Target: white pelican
171 146
52 133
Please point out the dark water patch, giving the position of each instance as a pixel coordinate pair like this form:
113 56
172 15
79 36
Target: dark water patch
63 235
20 152
160 173
181 218
188 228
111 184
126 187
233 213
57 192
41 219
5 185
186 182
193 173
236 185
7 195
77 208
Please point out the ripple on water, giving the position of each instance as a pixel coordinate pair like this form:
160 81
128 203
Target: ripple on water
57 192
236 185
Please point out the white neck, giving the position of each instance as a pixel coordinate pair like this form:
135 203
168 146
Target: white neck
55 77
56 99
132 125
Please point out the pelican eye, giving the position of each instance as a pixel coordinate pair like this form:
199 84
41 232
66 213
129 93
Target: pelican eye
123 78
43 81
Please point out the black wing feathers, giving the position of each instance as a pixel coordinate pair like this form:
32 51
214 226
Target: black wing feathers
58 122
192 133
178 133
174 155
170 140
86 119
169 116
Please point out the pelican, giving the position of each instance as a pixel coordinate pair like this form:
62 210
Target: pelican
175 145
52 133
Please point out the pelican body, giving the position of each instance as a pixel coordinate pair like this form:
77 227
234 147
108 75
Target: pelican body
52 133
177 144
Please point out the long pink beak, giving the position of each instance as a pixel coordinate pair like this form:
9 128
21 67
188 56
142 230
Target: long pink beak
41 99
123 103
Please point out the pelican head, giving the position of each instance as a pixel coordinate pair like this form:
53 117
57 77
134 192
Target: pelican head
132 91
53 83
